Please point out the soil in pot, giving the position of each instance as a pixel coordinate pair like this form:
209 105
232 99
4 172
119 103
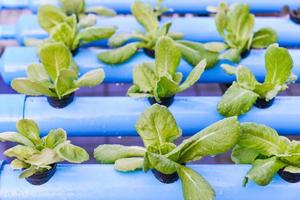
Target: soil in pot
289 177
149 52
60 103
295 16
42 177
262 103
165 178
163 101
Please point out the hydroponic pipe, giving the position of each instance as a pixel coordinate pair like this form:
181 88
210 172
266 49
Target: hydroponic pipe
116 116
179 6
90 182
10 67
200 29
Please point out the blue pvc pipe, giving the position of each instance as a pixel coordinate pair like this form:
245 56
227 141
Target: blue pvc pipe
11 110
200 29
10 67
90 182
179 6
116 116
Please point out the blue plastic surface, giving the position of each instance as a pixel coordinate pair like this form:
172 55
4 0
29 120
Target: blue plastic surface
179 6
11 110
14 4
116 116
90 182
10 67
200 29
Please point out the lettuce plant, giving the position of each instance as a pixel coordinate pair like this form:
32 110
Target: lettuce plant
235 24
66 29
36 155
56 76
145 15
267 152
242 94
158 130
160 80
50 15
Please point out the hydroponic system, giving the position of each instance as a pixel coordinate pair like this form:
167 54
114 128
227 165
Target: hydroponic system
149 99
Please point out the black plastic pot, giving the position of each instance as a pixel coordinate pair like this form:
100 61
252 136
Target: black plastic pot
289 177
294 16
165 178
149 52
245 54
163 101
43 177
262 103
60 103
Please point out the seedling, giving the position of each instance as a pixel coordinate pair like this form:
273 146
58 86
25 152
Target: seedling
247 91
56 77
158 130
37 156
268 153
159 81
235 24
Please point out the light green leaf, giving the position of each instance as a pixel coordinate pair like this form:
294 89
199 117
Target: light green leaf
293 152
91 78
160 163
119 39
15 137
262 139
220 20
86 21
28 172
145 15
229 69
264 37
129 164
263 171
236 101
37 72
245 78
215 46
65 82
165 87
279 64
49 16
156 126
29 129
108 154
73 6
45 158
18 164
135 92
215 139
292 169
194 186
119 55
92 34
167 57
193 77
144 77
29 87
72 153
55 57
242 155
55 137
194 52
20 152
102 11
232 55
63 33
